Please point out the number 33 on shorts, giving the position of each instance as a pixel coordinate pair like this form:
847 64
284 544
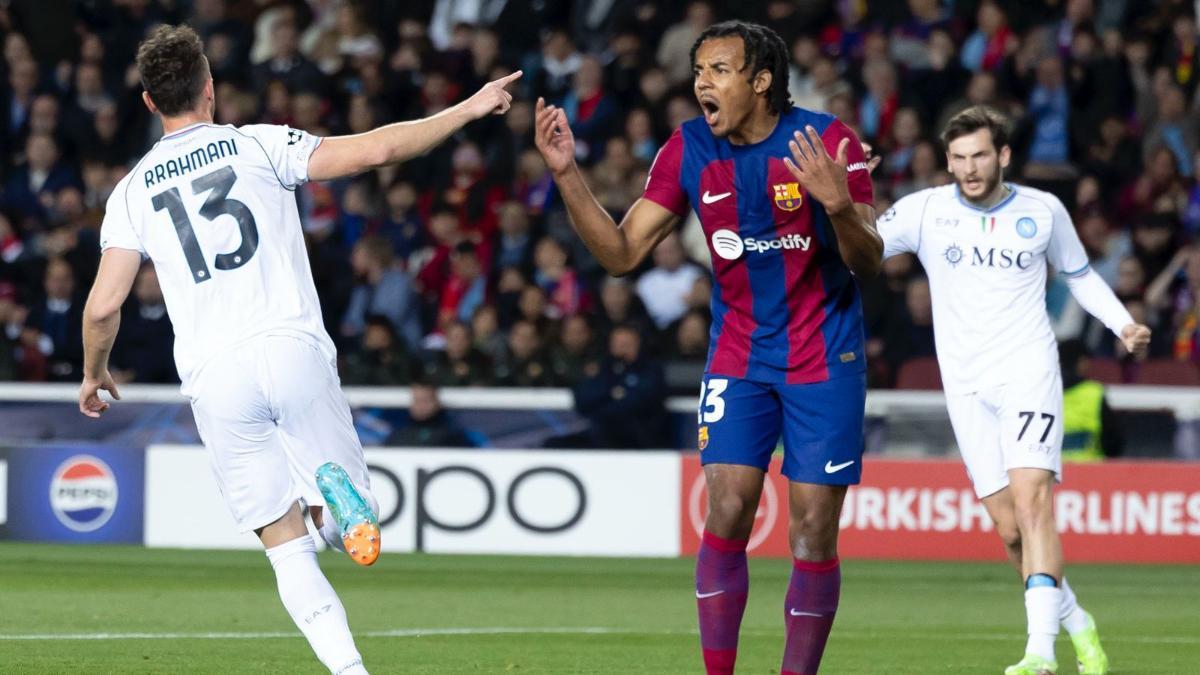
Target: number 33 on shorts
712 408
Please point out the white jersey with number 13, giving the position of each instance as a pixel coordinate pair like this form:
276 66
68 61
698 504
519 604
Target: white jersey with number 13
214 207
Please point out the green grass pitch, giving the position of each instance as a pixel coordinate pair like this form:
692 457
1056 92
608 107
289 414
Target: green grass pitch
170 611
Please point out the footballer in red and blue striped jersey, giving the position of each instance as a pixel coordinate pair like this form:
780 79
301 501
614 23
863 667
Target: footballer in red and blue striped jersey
786 344
784 197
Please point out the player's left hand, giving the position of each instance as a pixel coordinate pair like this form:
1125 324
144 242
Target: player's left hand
89 394
822 176
1135 337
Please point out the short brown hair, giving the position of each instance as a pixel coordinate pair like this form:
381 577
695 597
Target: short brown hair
173 68
973 119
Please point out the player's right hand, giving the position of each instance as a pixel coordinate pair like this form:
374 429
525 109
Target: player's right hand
1136 338
491 99
553 136
89 394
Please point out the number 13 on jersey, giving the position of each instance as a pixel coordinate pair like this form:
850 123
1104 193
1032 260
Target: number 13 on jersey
217 204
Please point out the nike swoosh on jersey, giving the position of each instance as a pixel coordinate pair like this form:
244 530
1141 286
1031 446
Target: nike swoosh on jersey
708 595
830 467
709 199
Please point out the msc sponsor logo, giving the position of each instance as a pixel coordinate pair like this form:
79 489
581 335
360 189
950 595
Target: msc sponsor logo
787 196
1002 258
953 254
83 493
999 258
730 246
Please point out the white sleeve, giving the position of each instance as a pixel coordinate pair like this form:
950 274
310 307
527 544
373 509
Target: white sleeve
1098 299
900 226
1065 251
288 149
1069 258
117 229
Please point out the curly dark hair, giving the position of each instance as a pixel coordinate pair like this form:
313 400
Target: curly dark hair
973 119
764 50
173 68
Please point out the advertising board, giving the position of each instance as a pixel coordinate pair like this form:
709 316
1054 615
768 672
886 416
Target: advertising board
926 510
87 494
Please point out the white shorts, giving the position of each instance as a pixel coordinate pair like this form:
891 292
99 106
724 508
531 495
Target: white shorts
1009 427
270 411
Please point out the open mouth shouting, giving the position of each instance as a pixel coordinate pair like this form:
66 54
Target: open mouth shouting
711 108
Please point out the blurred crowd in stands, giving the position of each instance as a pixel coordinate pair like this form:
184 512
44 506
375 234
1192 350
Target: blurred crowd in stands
460 268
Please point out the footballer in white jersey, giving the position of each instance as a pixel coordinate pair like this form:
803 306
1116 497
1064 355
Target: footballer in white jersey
987 246
213 208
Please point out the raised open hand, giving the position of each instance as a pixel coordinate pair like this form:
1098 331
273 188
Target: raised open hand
553 136
820 175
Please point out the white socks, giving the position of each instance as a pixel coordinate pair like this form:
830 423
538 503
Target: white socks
1071 614
1042 607
314 606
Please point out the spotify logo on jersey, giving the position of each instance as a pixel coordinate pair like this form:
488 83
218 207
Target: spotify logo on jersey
727 244
731 247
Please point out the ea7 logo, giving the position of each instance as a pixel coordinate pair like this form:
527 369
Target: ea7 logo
312 617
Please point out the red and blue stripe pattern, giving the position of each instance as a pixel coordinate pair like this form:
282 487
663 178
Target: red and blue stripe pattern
781 314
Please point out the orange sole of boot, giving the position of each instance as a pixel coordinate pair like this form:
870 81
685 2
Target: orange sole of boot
362 543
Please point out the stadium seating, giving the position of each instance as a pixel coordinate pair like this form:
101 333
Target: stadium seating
1106 371
1168 372
920 373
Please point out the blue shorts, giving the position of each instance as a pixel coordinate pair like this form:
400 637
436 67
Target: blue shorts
821 424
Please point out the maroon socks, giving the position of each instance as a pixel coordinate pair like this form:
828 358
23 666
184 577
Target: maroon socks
722 585
812 601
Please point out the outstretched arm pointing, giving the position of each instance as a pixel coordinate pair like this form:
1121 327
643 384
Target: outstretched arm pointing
347 155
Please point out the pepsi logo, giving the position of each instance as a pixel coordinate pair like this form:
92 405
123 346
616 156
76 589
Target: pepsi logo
83 493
